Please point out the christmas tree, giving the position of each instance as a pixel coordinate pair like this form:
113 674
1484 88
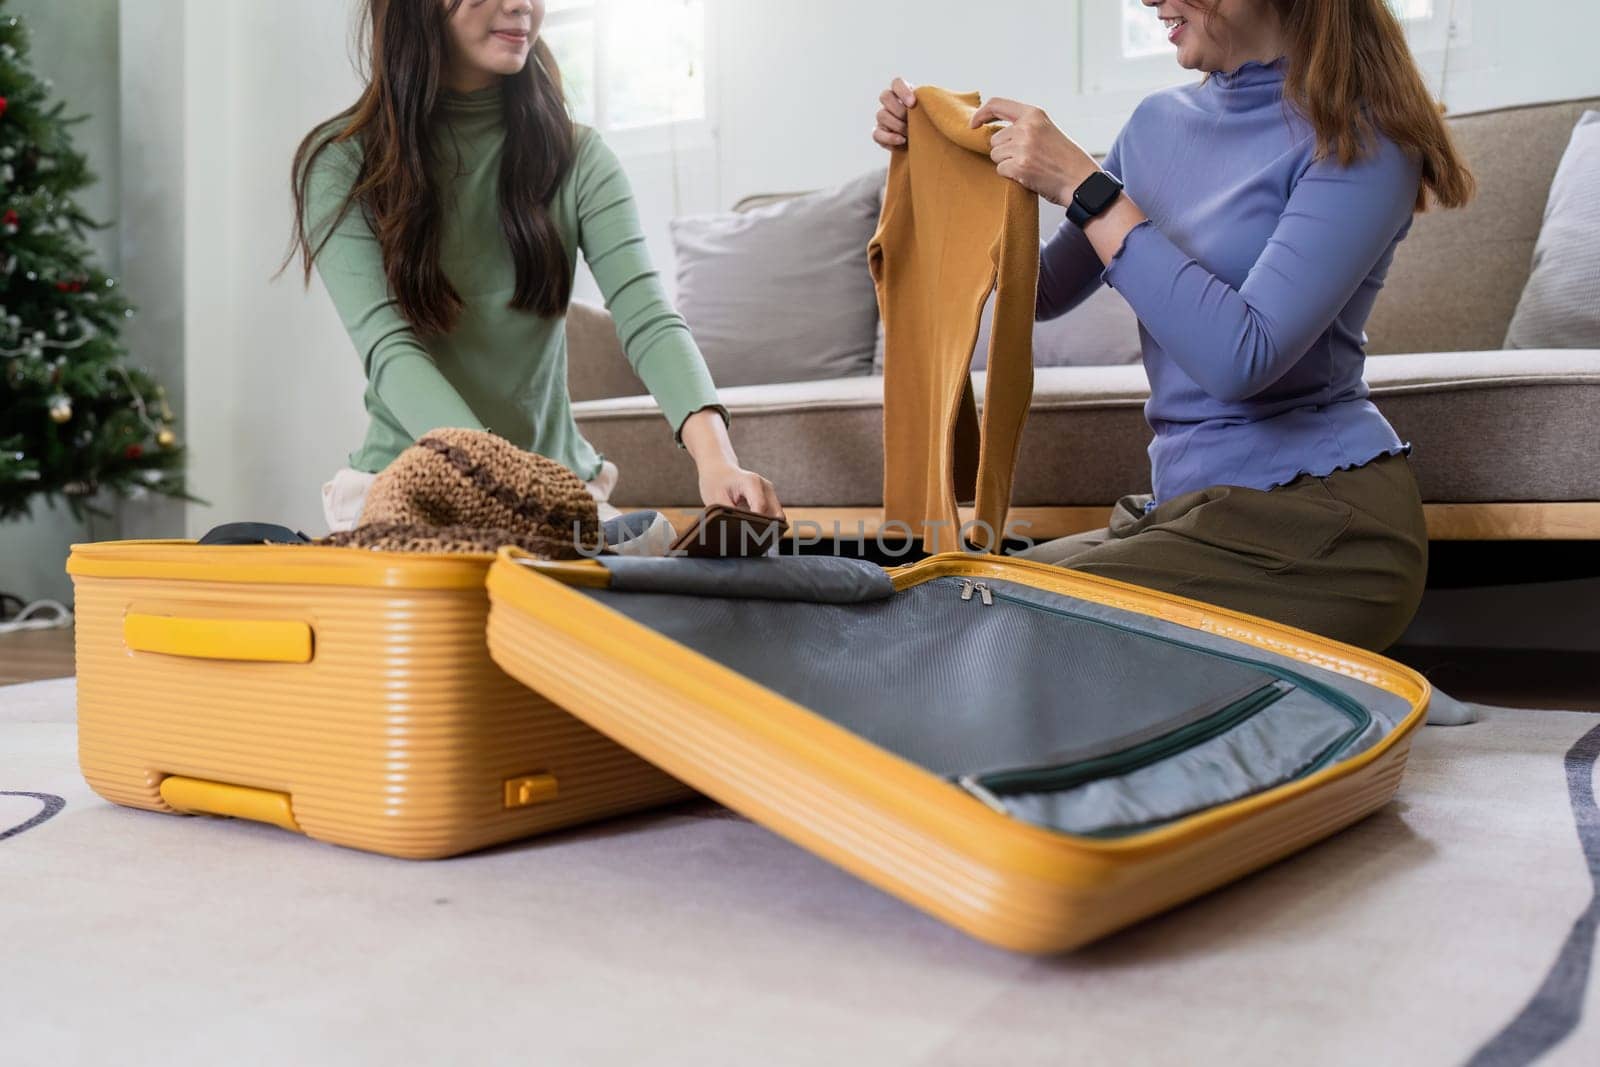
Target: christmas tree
75 418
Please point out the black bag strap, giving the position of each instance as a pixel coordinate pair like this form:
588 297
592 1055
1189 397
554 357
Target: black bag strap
253 533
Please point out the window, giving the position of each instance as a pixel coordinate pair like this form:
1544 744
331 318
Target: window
1125 45
630 64
1142 33
1433 26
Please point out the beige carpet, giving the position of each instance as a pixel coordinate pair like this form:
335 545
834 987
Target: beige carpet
692 937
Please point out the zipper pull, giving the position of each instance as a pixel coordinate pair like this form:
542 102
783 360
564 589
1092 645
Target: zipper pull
984 594
966 589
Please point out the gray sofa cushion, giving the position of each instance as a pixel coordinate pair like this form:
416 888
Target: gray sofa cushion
1101 331
1560 308
1456 278
1485 426
782 293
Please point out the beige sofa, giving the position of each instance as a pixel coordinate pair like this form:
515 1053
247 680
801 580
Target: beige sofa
1506 443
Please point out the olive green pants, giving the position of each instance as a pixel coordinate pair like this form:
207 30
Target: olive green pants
1344 555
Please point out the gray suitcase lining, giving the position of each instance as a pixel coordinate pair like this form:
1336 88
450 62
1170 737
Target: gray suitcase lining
1071 715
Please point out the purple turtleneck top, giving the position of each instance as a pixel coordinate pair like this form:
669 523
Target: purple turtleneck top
1252 281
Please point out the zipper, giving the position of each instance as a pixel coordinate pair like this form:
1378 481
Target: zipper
969 586
1116 764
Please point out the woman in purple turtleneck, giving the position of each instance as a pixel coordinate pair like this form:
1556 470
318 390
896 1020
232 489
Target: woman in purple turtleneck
1249 221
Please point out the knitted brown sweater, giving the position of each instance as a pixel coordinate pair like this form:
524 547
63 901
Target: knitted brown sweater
470 491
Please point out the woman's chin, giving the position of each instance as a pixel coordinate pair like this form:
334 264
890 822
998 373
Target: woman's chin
1191 59
504 63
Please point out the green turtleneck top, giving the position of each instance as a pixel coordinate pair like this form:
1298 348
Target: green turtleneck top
499 368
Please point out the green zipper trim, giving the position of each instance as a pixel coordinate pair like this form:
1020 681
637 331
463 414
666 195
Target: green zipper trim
1359 716
1072 775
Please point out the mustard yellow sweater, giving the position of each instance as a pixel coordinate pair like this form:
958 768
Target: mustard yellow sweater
952 229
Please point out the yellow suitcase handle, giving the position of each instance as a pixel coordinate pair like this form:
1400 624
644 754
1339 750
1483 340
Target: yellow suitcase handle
256 641
192 796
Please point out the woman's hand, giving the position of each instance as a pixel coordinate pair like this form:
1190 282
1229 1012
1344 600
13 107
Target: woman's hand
722 480
722 483
896 101
1032 152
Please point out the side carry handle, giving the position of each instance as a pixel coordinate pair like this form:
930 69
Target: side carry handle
194 796
247 640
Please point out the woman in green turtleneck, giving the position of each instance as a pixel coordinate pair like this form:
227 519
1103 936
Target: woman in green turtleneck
444 212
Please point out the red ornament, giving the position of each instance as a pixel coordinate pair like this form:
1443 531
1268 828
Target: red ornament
134 451
2 107
10 218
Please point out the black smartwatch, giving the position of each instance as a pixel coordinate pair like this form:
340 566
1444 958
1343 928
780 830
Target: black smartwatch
1098 192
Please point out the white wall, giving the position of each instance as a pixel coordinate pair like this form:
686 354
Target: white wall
1511 52
150 219
273 386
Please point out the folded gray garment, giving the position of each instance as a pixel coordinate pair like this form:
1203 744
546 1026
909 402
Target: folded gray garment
813 579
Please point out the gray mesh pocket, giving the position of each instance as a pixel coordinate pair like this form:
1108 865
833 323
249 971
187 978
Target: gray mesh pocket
1277 740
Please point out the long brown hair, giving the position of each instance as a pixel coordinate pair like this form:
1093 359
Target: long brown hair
392 123
1351 74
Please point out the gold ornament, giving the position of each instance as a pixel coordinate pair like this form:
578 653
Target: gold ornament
166 438
60 409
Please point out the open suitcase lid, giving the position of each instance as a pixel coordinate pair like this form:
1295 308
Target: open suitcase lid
1037 719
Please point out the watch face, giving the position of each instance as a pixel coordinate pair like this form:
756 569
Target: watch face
1097 192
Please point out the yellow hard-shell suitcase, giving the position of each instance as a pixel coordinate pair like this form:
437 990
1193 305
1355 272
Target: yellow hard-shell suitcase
936 741
341 693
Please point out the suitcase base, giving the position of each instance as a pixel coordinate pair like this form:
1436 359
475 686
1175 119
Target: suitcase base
344 694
